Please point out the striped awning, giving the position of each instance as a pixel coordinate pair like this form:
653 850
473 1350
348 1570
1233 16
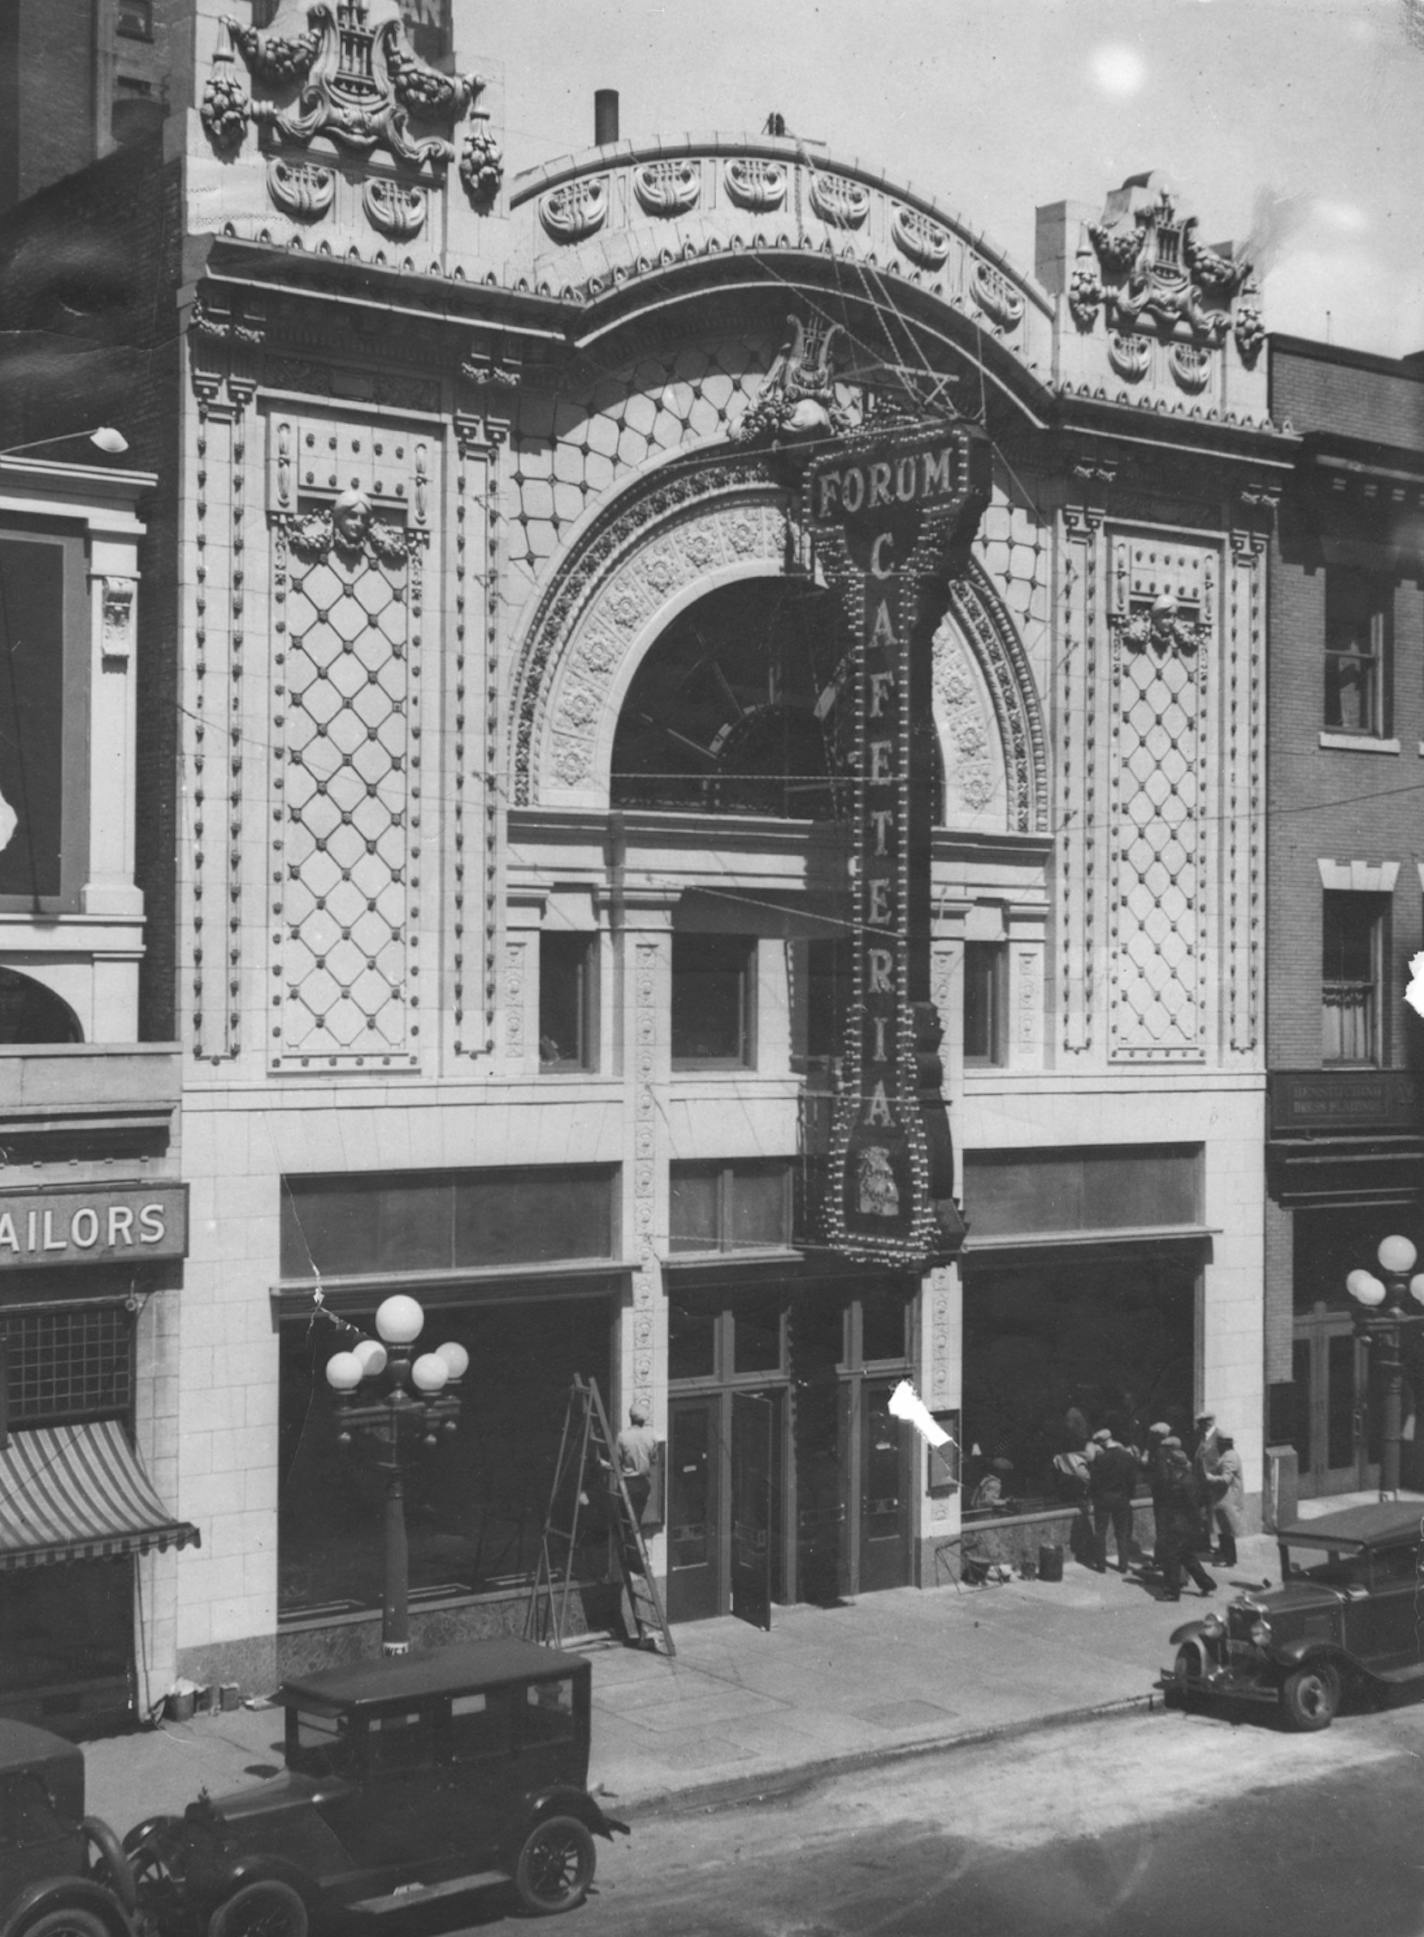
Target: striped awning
79 1493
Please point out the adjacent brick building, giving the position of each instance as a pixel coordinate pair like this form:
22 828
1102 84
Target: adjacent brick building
1345 849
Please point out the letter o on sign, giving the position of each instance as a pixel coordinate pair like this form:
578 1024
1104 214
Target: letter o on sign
84 1228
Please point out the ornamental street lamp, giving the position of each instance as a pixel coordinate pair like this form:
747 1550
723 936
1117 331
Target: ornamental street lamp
1380 1320
104 438
393 1399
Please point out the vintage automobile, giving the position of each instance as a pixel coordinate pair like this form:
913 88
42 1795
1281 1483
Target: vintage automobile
1348 1617
62 1873
407 1779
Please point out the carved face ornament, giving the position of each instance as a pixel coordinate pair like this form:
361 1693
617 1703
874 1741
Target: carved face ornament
351 520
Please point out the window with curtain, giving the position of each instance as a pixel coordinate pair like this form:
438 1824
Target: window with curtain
1358 612
1352 959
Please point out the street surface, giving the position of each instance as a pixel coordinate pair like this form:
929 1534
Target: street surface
1164 1824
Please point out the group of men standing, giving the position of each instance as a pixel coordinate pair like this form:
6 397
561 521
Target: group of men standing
1197 1500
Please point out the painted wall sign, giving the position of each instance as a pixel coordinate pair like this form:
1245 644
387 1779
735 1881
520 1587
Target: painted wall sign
892 516
127 1224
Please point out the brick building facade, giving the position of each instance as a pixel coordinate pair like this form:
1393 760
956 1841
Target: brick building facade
1344 884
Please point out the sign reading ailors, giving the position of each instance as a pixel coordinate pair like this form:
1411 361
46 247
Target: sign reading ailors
892 517
125 1224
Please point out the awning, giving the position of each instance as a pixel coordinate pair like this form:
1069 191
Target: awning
79 1493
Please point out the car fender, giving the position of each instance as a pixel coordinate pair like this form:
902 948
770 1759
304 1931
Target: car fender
565 1800
67 1893
1188 1631
1290 1655
259 1867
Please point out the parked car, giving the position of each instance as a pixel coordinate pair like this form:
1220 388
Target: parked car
1346 1618
62 1873
416 1777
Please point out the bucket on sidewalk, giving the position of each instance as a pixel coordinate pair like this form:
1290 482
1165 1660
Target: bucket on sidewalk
1050 1562
178 1706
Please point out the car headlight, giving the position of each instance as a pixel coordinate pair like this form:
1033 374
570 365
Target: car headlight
1213 1627
1261 1632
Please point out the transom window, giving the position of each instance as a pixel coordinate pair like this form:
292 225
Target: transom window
743 1206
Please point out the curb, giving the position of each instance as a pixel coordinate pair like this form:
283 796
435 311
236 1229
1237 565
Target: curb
734 1792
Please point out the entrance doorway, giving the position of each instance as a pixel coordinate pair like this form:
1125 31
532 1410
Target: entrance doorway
788 1478
1337 1438
724 1471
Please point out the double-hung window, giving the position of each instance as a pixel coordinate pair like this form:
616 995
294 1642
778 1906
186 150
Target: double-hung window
1359 609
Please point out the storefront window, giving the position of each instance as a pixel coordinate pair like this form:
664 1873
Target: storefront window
476 1502
1053 1345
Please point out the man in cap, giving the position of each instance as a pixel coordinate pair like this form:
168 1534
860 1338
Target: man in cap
1177 1523
1111 1478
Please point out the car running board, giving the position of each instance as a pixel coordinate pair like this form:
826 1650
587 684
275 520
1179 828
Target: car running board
1412 1671
411 1893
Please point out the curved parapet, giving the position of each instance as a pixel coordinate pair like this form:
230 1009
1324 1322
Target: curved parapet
596 224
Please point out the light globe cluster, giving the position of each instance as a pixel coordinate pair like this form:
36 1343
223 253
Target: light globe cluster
1397 1256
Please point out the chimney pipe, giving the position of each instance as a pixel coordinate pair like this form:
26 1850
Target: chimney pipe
605 116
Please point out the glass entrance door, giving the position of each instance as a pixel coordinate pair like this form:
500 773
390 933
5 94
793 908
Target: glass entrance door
695 1587
884 1490
1339 1425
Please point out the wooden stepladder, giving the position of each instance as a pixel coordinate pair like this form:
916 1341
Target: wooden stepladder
588 1499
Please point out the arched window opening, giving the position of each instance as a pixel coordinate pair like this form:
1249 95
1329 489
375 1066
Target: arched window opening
734 711
31 1013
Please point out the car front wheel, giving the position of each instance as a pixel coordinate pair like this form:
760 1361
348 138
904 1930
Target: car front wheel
267 1908
1186 1672
554 1867
75 1922
1310 1698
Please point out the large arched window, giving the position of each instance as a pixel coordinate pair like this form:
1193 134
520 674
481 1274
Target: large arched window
734 709
31 1013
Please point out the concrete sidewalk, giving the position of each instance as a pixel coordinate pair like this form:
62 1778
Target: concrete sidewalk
738 1710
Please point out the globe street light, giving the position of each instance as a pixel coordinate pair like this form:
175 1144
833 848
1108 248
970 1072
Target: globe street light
1380 1319
392 1398
104 438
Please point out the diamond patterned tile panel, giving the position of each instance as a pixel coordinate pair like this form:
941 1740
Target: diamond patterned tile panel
1157 1004
347 844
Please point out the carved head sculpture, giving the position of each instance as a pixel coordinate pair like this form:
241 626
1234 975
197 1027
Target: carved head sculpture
351 520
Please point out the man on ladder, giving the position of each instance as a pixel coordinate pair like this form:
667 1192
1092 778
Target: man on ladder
637 1448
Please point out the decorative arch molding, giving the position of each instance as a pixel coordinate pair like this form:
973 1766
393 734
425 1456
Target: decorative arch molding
987 627
688 527
665 541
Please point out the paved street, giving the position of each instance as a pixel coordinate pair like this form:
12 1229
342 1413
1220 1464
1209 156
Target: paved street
1159 1823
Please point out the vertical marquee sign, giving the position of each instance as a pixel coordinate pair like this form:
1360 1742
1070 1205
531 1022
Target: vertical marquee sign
893 515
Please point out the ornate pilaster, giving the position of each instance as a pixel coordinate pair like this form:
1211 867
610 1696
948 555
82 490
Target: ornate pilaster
1243 675
1078 729
481 429
224 347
